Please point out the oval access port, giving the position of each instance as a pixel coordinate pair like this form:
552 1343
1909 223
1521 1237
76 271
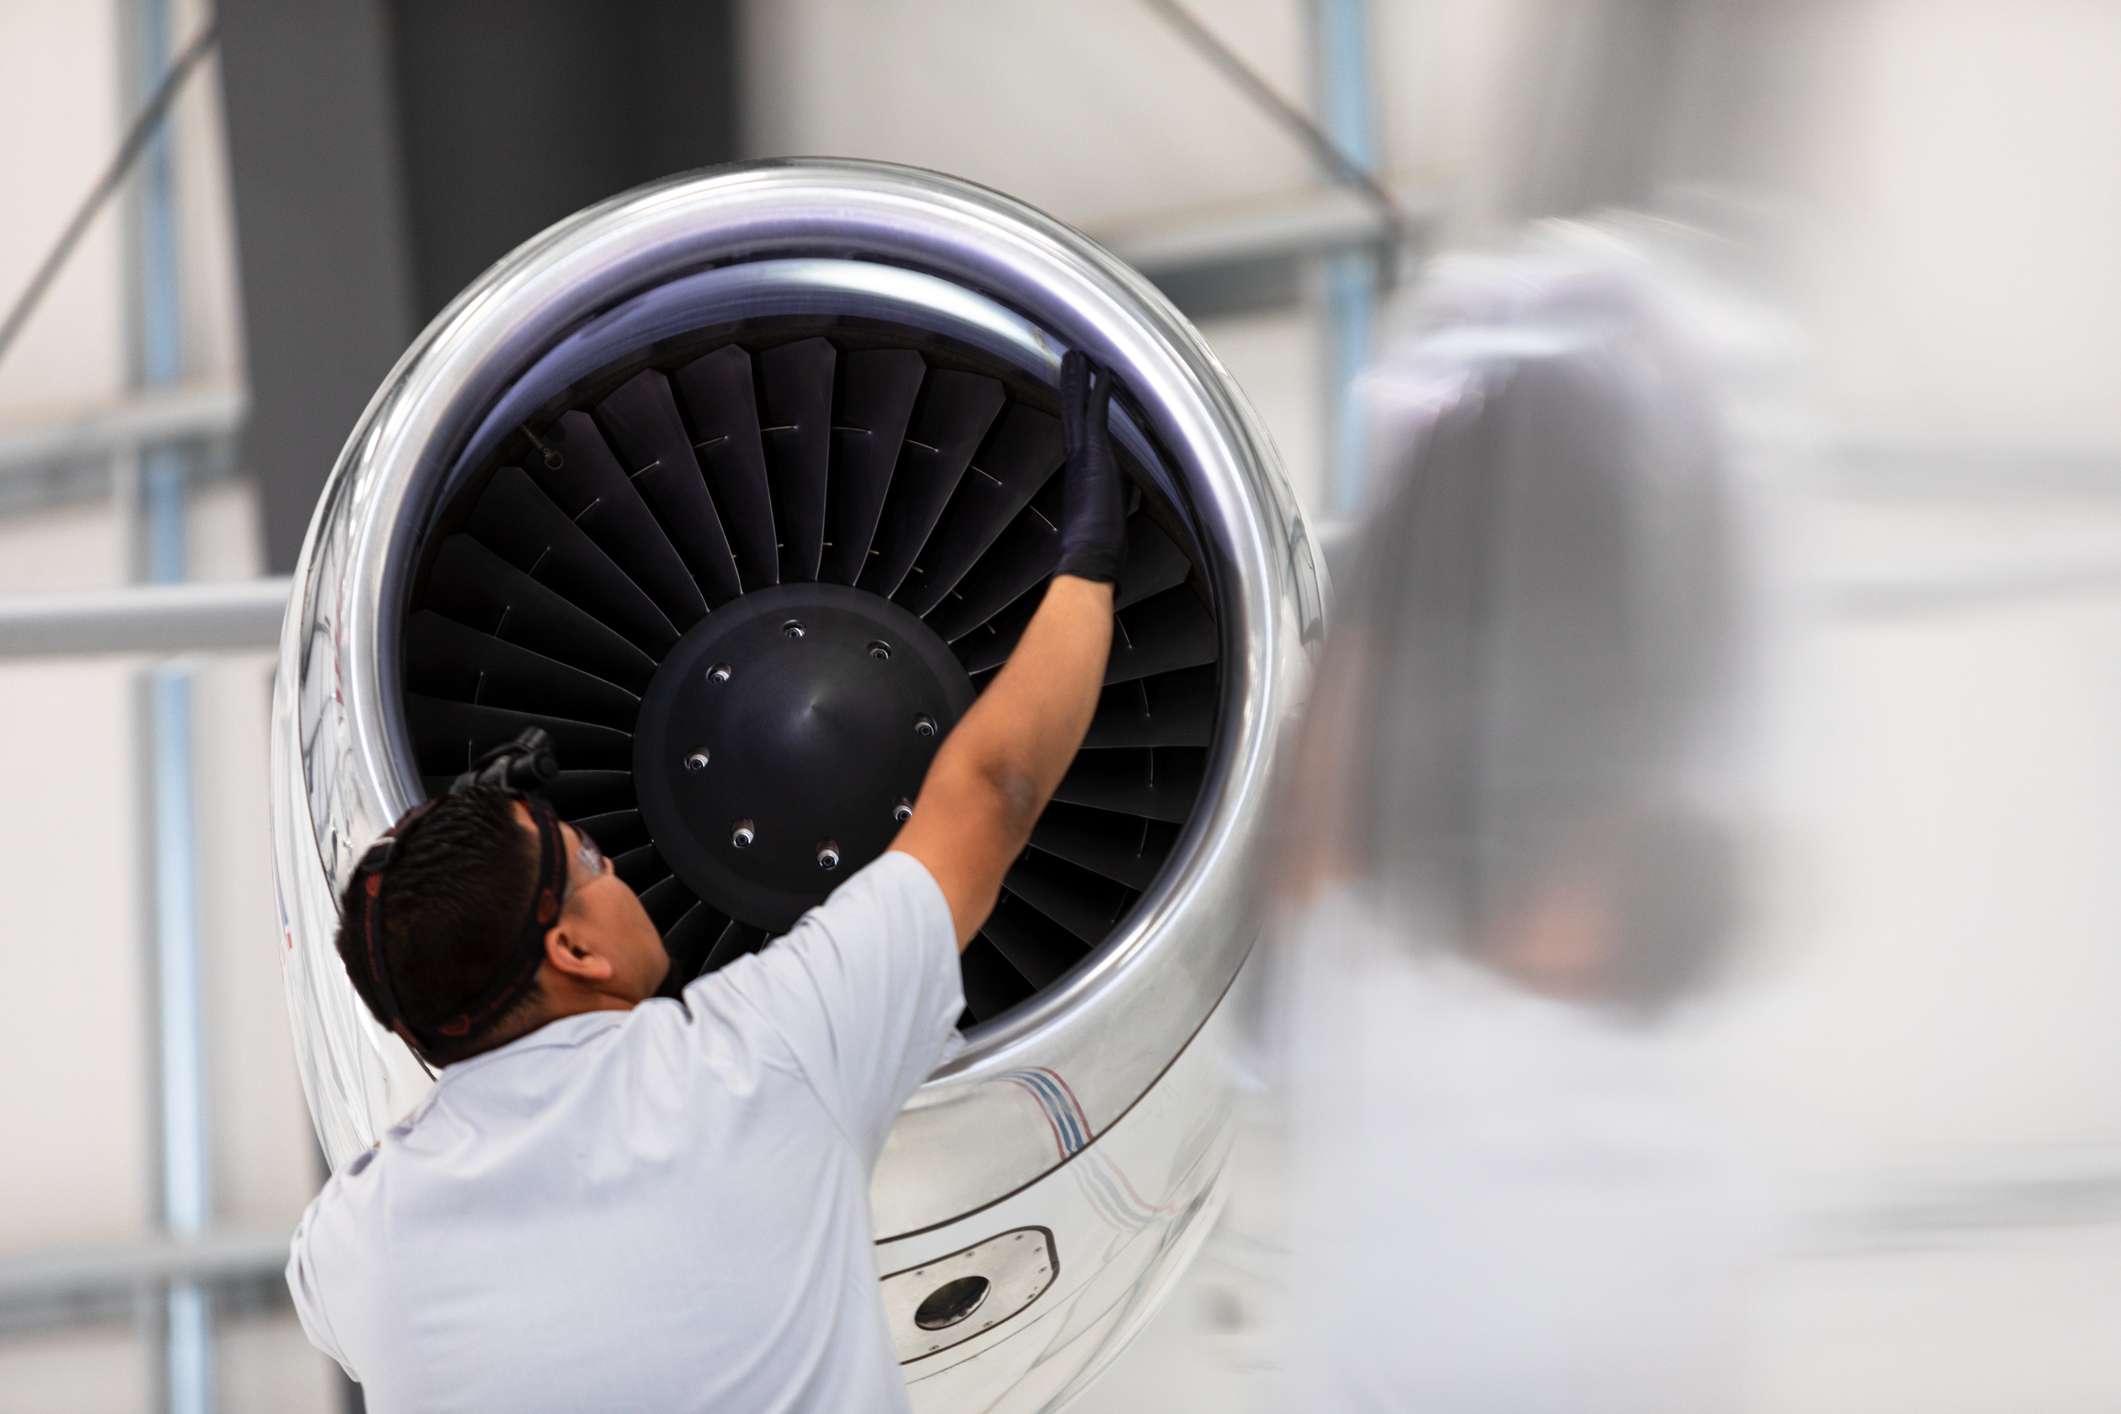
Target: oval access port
950 1303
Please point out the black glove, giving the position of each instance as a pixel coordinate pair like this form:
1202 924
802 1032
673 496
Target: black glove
1093 526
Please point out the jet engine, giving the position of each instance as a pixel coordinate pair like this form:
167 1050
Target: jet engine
741 486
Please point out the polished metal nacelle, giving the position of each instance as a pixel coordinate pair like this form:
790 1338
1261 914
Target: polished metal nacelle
1098 1113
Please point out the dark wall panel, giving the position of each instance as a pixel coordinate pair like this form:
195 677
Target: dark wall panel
514 115
320 236
384 152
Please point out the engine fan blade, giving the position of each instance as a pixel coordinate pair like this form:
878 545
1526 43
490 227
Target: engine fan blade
795 415
1018 562
989 646
1161 635
877 389
950 419
1084 903
1172 709
1123 848
473 585
575 793
666 902
717 396
688 942
590 487
642 423
1031 944
639 867
519 522
449 736
992 986
736 939
615 831
445 659
1154 564
1159 785
1022 451
572 792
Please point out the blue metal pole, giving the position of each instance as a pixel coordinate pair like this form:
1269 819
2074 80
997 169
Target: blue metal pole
1346 102
188 1375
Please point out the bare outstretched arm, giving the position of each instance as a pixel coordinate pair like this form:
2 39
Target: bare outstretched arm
997 770
1001 764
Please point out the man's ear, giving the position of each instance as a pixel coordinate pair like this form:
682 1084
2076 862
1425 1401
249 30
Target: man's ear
569 958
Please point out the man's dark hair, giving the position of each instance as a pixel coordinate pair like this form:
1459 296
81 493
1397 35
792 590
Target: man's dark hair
459 883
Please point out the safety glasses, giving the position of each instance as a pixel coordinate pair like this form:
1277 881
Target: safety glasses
595 864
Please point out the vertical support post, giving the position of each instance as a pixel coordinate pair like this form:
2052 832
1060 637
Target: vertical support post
161 497
1346 104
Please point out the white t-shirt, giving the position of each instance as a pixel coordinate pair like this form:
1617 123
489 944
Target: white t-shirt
665 1208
